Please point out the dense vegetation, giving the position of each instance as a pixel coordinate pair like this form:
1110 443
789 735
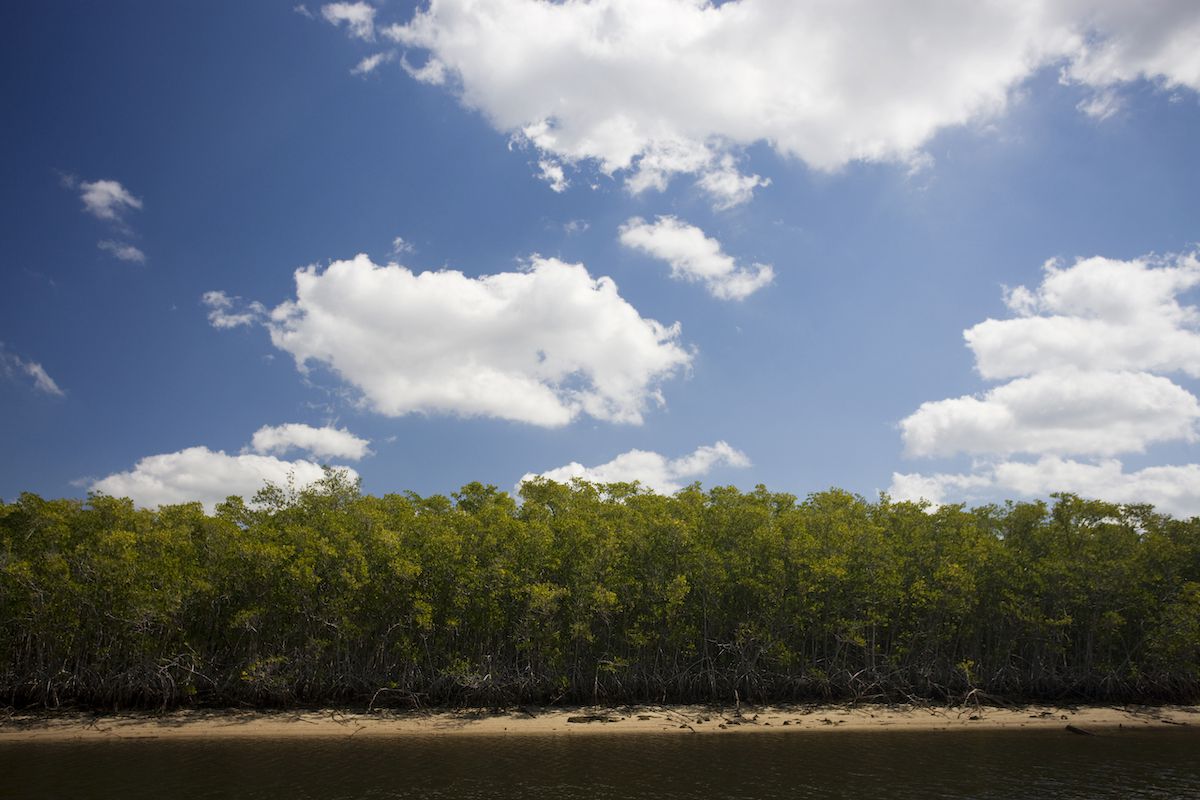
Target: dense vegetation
585 593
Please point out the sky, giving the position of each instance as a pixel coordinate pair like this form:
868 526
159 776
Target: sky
947 251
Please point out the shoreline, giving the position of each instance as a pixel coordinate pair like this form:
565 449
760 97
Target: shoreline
220 724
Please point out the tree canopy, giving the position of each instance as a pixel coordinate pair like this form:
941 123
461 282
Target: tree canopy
582 593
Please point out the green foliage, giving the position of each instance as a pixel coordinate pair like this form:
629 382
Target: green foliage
591 593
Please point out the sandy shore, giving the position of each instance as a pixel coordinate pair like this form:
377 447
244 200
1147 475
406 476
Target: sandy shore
677 720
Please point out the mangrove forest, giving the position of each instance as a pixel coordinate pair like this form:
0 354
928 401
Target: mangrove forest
588 593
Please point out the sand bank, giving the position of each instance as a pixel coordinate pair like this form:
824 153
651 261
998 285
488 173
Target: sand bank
675 720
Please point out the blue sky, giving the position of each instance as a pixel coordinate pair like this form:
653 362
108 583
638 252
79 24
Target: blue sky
822 227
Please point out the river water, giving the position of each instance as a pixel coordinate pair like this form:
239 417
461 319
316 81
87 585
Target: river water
997 765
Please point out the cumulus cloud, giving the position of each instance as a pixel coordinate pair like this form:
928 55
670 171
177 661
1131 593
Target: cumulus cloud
651 469
1058 411
1131 41
230 312
12 365
123 251
359 18
107 199
915 487
1099 313
695 257
540 346
199 474
1085 353
656 88
326 442
370 63
1171 489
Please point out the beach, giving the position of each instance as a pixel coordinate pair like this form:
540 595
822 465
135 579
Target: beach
586 721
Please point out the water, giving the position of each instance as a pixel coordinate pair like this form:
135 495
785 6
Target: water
971 764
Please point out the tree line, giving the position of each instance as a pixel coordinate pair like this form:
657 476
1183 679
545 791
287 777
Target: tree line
591 593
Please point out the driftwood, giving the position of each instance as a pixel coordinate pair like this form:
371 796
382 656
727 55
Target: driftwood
593 718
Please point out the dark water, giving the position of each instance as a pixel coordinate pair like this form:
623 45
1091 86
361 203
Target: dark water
1006 764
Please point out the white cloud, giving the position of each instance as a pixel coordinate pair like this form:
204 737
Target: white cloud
359 18
200 474
1063 411
400 246
575 226
727 186
1171 489
1099 313
539 346
11 365
1082 353
41 379
303 11
695 257
552 173
123 251
370 63
915 487
432 71
655 88
222 313
1101 105
1155 40
652 470
326 442
107 199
